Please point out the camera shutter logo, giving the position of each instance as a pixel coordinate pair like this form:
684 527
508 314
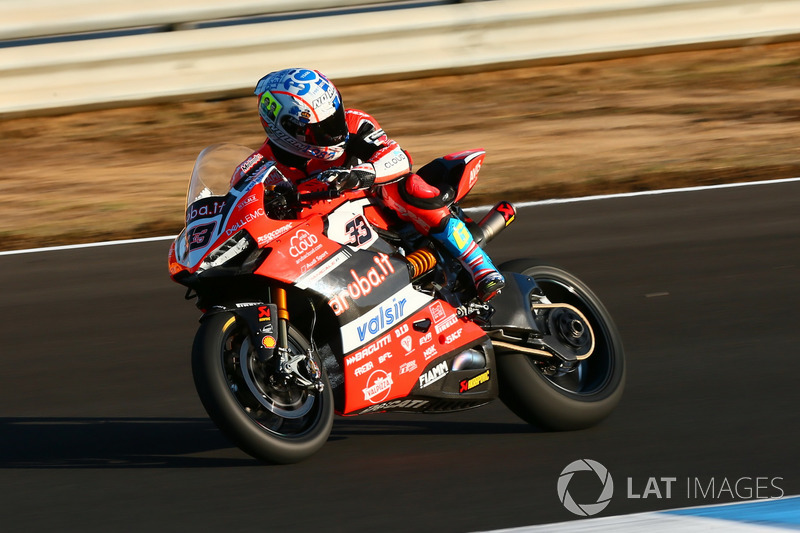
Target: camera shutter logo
585 509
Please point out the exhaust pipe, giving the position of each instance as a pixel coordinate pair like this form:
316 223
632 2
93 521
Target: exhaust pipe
495 221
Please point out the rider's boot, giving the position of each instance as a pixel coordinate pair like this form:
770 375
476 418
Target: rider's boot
457 239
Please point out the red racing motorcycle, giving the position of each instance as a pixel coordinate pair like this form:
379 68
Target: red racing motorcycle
319 302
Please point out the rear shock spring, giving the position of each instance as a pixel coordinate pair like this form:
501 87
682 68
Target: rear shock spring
421 261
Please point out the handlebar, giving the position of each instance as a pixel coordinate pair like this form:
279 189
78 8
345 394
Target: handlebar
330 194
285 203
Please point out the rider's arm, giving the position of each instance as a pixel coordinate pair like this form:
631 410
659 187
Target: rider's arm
379 159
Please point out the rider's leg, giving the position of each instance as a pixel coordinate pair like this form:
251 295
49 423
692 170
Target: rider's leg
458 240
427 208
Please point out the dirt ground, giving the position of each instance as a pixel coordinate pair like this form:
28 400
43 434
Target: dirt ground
658 121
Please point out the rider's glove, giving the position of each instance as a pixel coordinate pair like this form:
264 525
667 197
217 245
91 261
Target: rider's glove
338 178
358 177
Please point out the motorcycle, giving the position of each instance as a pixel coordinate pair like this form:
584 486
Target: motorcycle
318 302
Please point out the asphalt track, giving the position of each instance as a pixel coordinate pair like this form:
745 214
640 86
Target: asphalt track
100 428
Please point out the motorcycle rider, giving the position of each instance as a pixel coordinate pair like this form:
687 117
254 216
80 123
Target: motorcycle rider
310 133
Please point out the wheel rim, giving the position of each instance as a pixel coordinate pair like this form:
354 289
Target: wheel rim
280 408
592 375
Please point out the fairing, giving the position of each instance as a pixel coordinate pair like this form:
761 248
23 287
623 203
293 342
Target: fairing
397 342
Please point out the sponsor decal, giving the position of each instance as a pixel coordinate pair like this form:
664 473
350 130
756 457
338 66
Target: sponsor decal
408 367
468 384
473 175
507 210
268 342
386 316
402 330
304 247
452 337
430 352
449 322
425 339
329 96
379 385
272 235
363 369
396 404
383 316
408 344
437 312
205 208
247 201
301 242
249 217
301 113
362 285
384 357
314 260
312 277
433 375
369 350
395 157
251 162
263 313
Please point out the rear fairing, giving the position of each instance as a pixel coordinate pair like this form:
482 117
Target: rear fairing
472 161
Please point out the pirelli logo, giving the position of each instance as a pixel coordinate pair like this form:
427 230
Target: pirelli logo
469 384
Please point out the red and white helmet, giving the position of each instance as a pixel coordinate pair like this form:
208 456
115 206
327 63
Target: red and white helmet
302 113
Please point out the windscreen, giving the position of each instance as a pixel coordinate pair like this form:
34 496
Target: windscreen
213 169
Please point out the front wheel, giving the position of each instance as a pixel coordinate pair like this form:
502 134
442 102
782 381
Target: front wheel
546 396
273 420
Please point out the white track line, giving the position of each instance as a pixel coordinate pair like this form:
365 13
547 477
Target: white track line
87 245
480 208
652 193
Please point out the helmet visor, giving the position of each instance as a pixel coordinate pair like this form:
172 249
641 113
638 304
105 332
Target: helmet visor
329 132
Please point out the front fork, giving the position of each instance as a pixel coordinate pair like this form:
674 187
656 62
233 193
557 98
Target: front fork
283 319
268 324
290 365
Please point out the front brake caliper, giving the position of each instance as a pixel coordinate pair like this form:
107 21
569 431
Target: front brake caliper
290 366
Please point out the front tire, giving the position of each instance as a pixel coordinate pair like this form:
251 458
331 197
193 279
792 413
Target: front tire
272 421
581 398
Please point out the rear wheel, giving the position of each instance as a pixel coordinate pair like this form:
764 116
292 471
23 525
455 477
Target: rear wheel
540 391
271 418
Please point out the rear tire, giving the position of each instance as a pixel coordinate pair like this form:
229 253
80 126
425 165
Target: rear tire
576 400
221 345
